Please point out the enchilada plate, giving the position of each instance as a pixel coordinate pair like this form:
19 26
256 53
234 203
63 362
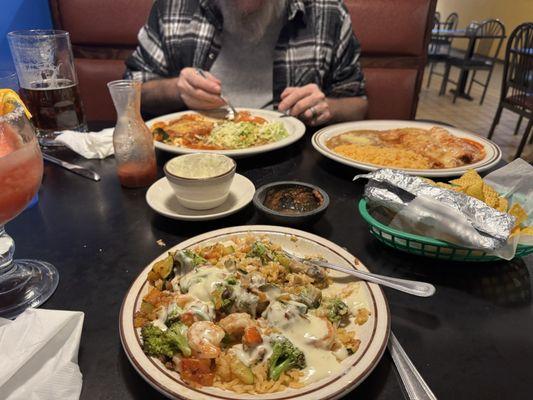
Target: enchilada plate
294 127
493 153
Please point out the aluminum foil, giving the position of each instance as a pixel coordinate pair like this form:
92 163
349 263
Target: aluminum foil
421 208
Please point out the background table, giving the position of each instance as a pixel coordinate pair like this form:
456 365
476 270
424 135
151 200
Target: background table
472 340
472 37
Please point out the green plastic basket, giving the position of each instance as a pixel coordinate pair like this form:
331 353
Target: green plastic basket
425 246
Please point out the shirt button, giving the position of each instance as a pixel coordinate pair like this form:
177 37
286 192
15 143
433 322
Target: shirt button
211 56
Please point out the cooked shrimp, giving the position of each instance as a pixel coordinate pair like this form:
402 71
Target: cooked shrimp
204 338
236 323
241 324
325 342
183 299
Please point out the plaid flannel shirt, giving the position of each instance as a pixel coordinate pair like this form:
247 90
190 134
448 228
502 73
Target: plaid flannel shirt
316 45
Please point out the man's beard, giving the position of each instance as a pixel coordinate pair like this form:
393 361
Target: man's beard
251 27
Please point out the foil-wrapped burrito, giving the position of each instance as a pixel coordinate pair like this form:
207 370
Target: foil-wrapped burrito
418 207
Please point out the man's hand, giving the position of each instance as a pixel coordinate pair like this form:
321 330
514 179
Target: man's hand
308 103
197 92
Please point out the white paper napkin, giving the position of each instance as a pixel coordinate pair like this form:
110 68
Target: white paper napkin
89 144
39 355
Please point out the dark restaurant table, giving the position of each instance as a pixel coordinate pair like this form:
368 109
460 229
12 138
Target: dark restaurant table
472 37
472 340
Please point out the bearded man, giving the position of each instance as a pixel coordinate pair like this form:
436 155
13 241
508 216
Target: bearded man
297 56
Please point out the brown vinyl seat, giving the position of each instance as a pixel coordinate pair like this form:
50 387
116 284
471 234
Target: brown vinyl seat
393 35
103 34
394 38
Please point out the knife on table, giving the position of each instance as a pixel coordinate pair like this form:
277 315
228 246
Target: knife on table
86 173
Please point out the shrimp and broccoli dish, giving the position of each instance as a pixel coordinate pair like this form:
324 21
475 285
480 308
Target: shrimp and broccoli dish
242 315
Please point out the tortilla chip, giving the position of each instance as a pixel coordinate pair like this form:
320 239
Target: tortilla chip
469 178
519 213
515 231
490 196
444 185
475 190
528 230
431 182
502 205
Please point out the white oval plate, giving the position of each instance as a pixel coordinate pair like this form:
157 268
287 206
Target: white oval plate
295 127
160 197
493 152
373 335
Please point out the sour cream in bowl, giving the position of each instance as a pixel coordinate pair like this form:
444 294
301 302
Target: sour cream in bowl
201 180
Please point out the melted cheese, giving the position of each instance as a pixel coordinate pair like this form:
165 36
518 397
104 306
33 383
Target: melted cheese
306 333
202 281
255 354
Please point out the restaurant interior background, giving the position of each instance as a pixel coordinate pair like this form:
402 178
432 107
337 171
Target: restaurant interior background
469 115
100 235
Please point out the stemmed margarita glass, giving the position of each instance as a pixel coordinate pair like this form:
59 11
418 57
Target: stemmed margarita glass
23 283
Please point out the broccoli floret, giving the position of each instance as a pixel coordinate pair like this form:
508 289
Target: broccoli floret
262 252
336 310
196 258
285 356
157 342
178 334
310 296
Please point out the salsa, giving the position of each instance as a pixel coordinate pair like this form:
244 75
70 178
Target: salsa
293 199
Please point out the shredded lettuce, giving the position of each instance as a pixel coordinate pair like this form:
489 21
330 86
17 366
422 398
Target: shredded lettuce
240 135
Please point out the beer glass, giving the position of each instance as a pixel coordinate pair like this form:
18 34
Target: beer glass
48 82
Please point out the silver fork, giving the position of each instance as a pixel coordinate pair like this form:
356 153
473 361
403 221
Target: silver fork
421 289
232 112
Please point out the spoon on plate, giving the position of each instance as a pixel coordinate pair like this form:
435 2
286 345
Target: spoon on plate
416 288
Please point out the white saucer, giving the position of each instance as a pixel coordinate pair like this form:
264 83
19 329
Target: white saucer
160 197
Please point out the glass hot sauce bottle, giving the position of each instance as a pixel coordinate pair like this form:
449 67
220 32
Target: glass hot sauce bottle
132 140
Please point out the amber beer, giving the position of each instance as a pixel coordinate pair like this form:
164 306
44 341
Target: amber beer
55 105
48 81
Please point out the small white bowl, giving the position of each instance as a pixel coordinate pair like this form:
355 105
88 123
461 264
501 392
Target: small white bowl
200 181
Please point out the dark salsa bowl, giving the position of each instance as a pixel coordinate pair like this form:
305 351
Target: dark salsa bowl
291 202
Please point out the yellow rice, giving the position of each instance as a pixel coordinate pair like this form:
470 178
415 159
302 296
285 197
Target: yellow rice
387 157
225 380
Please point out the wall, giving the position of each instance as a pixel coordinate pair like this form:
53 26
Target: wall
20 14
511 12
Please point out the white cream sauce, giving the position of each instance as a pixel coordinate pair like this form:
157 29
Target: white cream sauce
355 301
202 281
254 355
306 334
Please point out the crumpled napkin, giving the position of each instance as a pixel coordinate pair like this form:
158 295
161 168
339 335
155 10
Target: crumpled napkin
89 144
39 355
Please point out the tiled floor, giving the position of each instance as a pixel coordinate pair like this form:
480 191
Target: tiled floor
469 115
